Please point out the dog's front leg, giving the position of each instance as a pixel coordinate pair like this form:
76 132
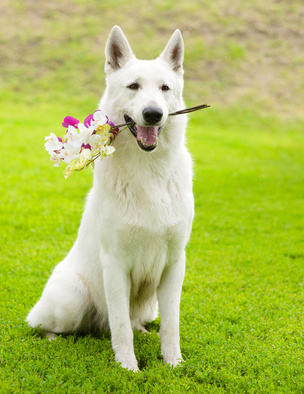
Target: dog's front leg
117 284
169 293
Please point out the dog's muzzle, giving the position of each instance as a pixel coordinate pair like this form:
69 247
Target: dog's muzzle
147 135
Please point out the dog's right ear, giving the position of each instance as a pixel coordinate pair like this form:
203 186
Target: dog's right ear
118 50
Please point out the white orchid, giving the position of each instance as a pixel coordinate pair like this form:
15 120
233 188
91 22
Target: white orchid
78 164
96 142
83 142
52 143
69 154
109 150
74 138
99 118
85 132
83 160
56 157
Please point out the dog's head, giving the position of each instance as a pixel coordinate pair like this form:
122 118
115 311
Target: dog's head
144 91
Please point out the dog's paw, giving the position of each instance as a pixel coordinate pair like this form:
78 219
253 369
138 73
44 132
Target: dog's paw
130 365
127 359
142 329
171 359
50 336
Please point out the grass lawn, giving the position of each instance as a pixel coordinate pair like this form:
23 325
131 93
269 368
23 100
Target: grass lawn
243 298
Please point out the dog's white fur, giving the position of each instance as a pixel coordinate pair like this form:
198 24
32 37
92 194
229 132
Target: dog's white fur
129 255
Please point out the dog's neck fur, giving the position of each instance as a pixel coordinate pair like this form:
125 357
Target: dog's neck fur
136 165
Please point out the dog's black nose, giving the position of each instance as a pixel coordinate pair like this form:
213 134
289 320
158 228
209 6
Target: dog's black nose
152 115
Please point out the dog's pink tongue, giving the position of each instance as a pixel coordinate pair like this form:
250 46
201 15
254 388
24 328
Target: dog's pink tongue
147 135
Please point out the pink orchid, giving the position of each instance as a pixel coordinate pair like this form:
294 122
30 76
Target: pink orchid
70 121
87 121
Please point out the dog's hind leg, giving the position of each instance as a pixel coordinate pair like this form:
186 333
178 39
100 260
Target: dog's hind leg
51 336
64 306
143 312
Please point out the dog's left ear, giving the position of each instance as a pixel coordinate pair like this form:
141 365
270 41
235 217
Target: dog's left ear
118 50
174 52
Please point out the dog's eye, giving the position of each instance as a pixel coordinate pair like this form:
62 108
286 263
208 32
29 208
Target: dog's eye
133 86
165 88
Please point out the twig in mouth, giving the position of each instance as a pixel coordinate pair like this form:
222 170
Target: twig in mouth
180 112
122 125
191 109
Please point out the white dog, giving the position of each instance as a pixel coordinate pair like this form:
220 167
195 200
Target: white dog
129 255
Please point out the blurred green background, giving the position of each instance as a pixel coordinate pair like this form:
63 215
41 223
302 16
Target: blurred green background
239 53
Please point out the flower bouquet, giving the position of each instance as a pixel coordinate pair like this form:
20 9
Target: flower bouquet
85 142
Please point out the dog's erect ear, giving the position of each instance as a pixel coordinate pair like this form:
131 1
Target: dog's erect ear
118 50
174 51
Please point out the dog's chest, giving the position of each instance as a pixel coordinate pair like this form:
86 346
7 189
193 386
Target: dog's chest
145 219
153 217
146 252
149 203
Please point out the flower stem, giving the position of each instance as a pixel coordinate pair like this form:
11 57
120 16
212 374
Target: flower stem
180 112
191 109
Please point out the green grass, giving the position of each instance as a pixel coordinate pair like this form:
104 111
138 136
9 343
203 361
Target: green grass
243 296
242 302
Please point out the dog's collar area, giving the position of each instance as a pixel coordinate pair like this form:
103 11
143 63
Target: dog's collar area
146 136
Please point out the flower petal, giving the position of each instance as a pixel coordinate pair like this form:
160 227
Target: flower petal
68 172
70 121
85 153
88 120
52 143
95 140
85 132
109 150
99 117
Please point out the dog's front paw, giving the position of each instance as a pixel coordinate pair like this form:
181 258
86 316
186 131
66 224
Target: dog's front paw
172 361
131 365
172 358
127 360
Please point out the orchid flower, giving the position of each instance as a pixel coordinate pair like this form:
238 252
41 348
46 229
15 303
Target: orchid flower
83 142
70 121
109 150
69 153
99 118
52 143
72 134
88 120
85 132
78 164
56 158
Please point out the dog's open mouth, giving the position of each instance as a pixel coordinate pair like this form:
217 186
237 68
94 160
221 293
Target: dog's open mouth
146 136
